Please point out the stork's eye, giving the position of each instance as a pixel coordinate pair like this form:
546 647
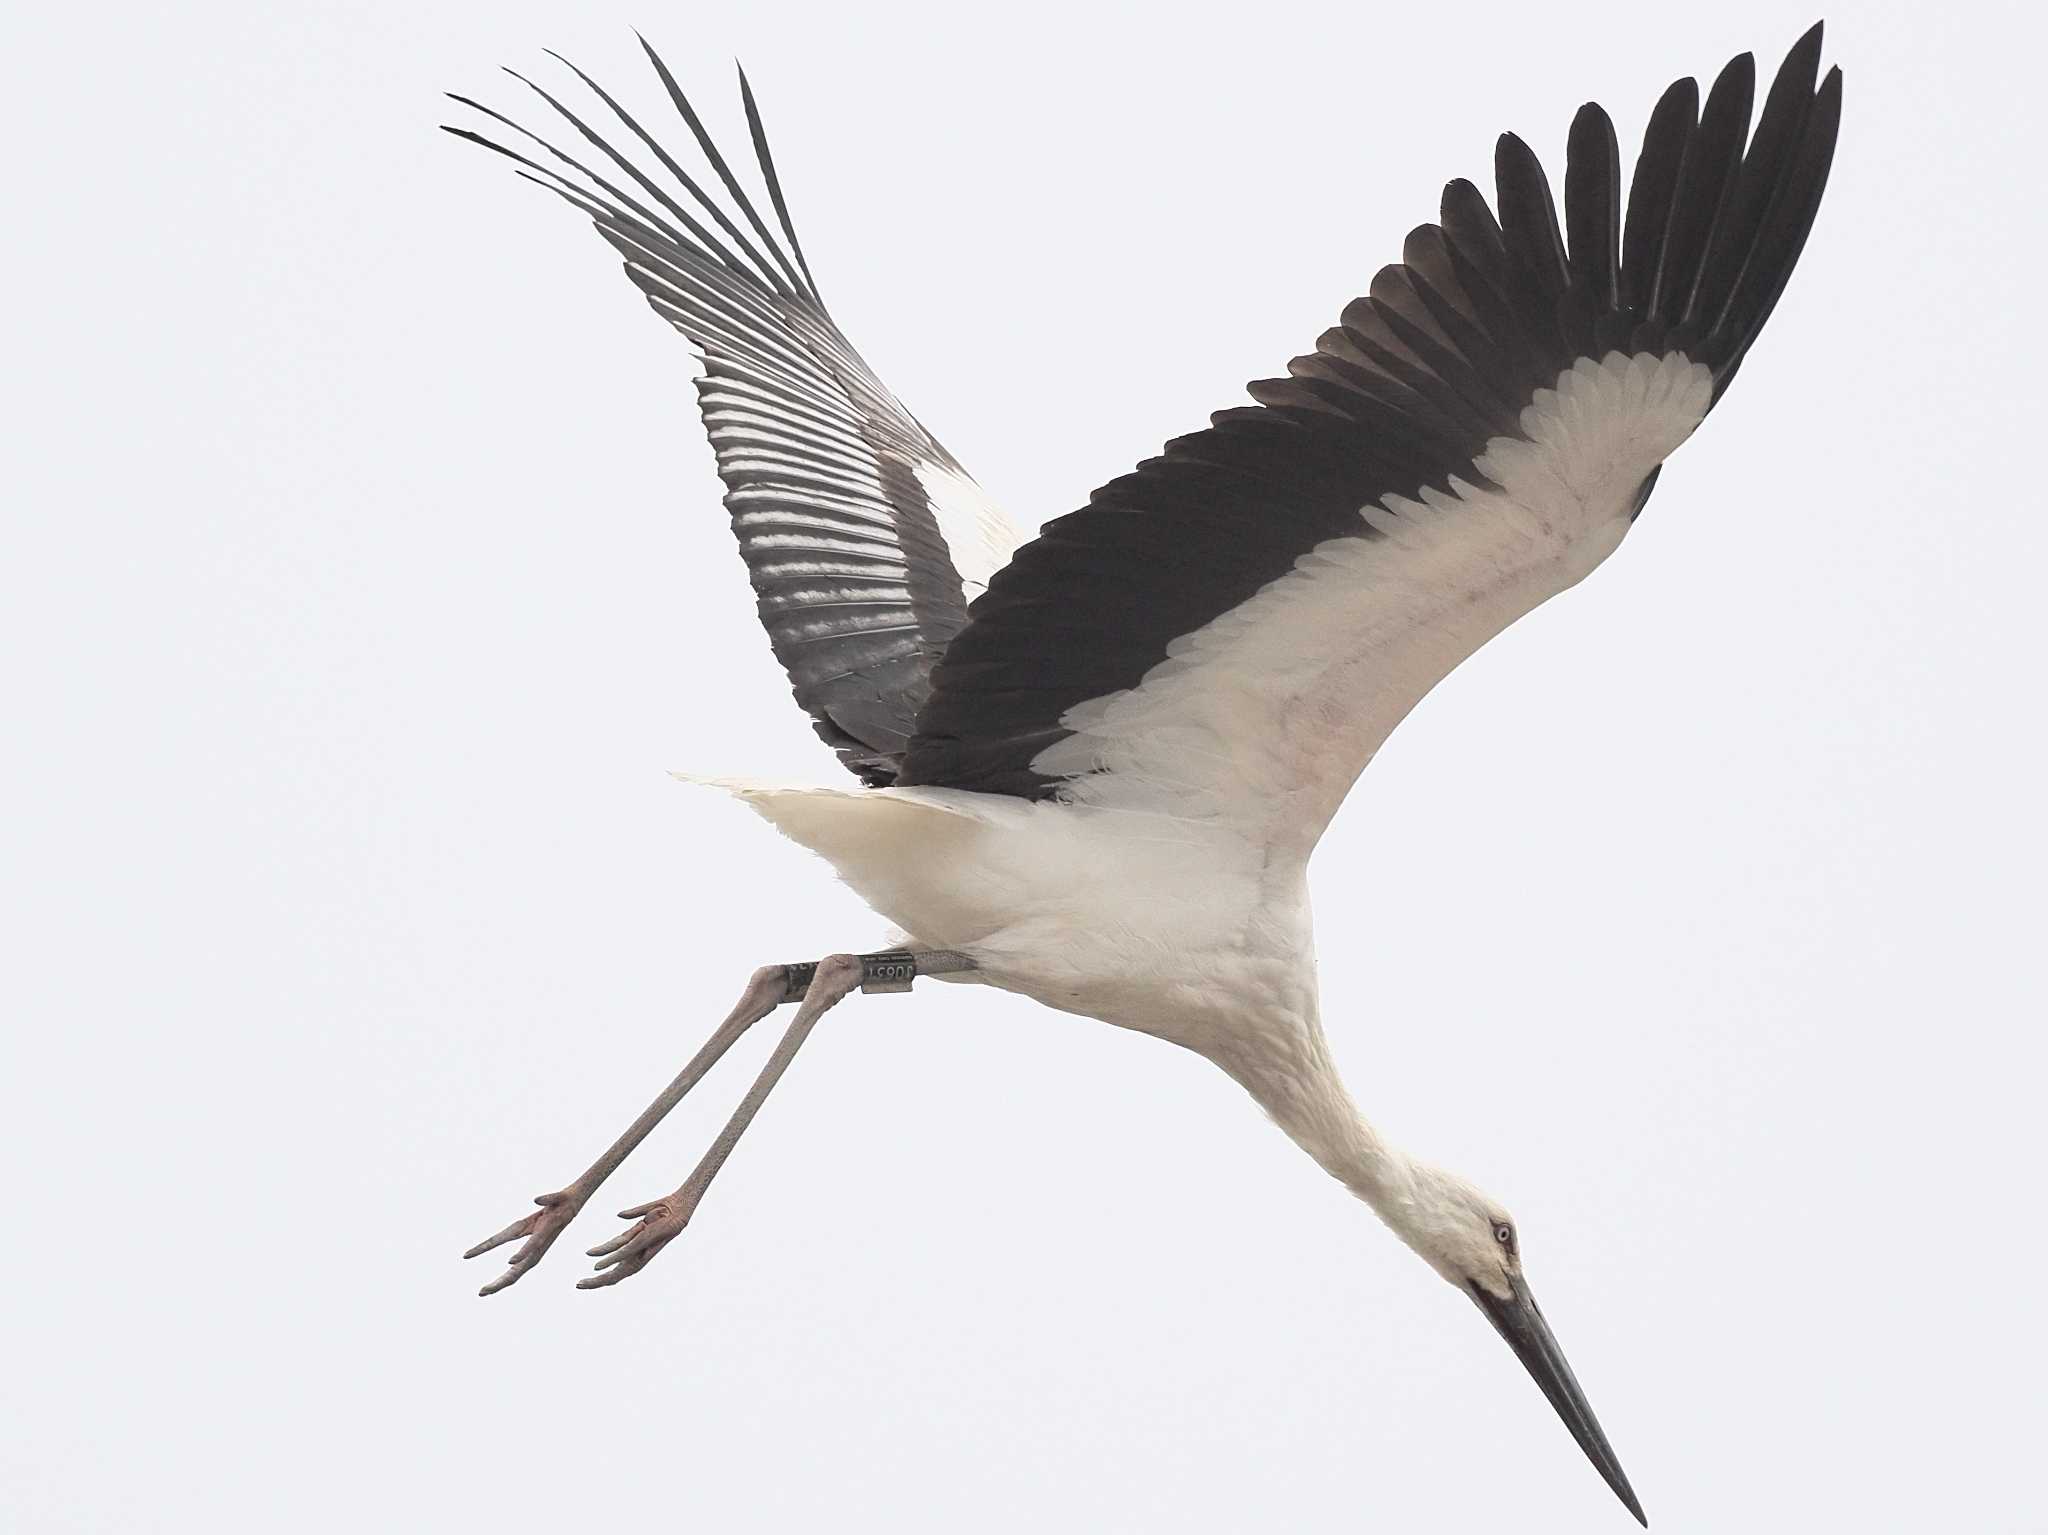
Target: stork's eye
1505 1235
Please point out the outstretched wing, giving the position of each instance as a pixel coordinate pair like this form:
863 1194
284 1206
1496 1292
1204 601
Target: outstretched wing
1233 630
864 538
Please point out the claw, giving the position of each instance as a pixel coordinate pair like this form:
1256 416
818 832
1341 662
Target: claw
625 1270
519 1228
656 1224
628 1246
540 1228
612 1246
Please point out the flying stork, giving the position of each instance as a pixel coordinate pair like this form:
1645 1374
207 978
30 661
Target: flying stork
1092 765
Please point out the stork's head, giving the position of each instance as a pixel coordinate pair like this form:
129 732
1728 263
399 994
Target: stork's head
1474 1243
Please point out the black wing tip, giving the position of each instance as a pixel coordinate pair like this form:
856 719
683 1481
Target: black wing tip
773 181
1591 115
1592 133
1743 64
1802 60
1682 92
777 271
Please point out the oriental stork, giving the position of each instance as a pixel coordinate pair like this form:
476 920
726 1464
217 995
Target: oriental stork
1092 765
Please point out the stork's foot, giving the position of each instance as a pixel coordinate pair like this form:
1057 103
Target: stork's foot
655 1225
539 1229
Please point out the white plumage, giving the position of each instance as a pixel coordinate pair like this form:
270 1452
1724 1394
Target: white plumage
977 532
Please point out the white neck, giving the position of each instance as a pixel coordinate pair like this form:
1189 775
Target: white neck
1300 1088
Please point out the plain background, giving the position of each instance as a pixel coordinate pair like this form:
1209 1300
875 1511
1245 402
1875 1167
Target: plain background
365 571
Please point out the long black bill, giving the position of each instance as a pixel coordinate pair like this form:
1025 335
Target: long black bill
1520 1321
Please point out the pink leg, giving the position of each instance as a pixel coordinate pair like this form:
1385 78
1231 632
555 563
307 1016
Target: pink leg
769 987
657 1222
819 986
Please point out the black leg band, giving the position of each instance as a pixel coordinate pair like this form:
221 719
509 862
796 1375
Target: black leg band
796 980
893 971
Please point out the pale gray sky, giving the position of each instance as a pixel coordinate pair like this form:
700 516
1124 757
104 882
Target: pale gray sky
366 572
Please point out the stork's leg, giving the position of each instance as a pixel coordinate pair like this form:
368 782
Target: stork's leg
657 1222
767 989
